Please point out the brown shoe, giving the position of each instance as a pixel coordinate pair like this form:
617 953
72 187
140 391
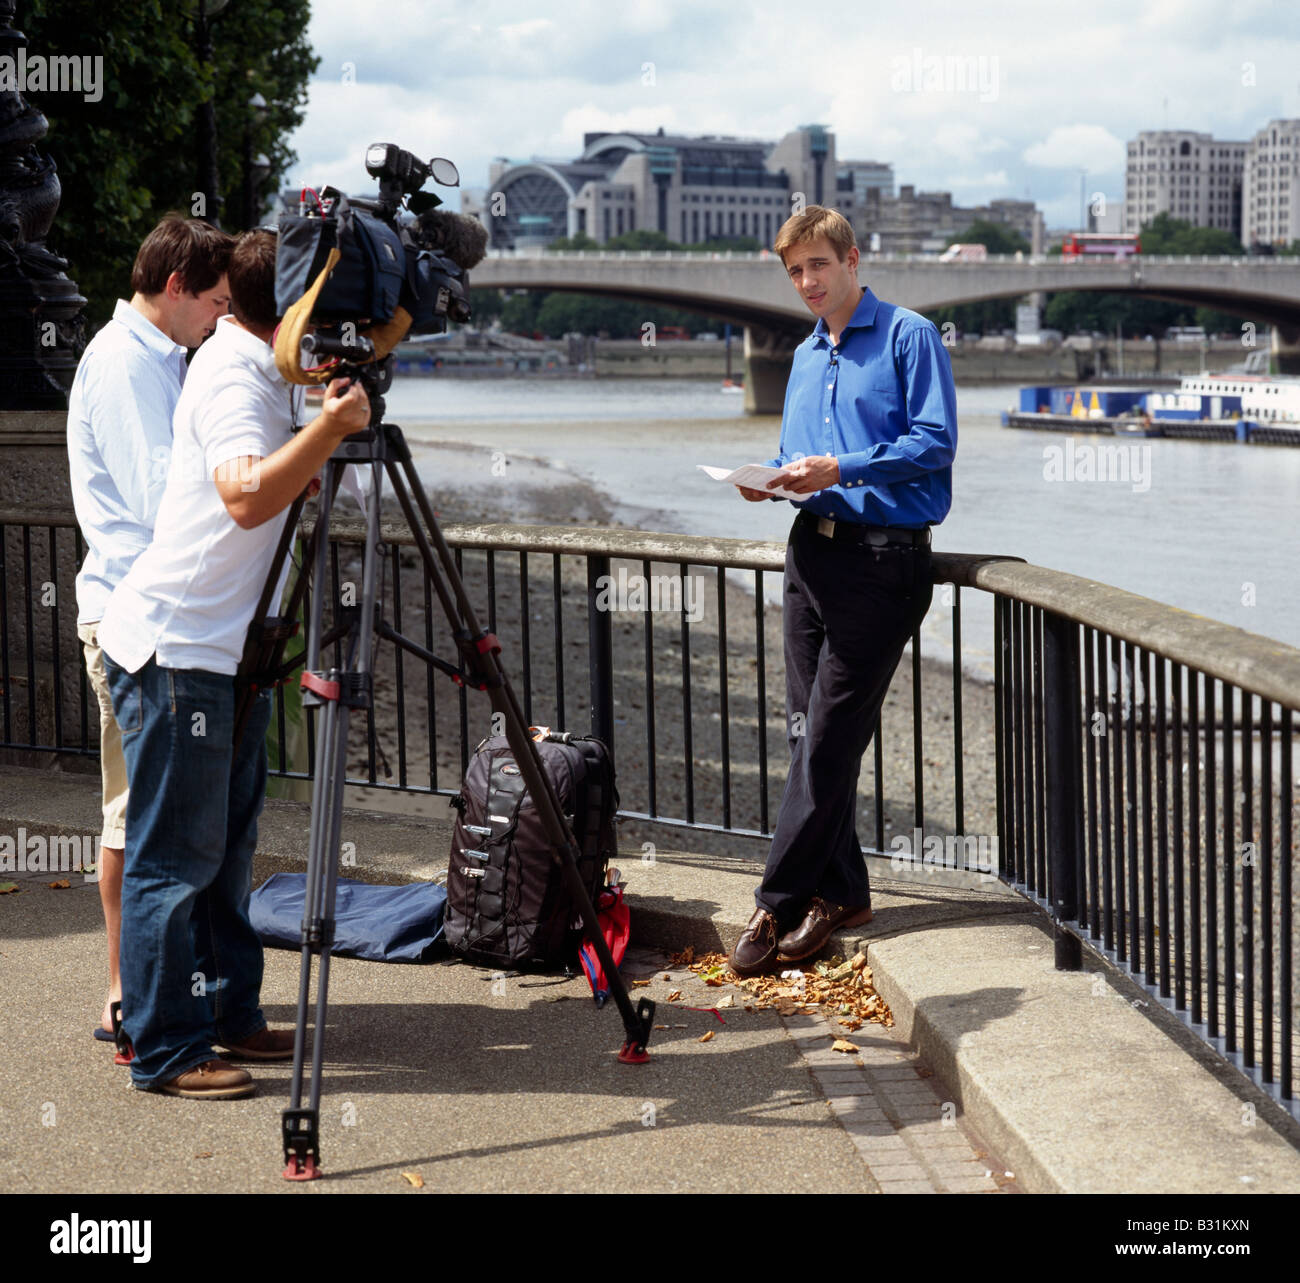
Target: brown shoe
820 922
212 1080
266 1044
755 951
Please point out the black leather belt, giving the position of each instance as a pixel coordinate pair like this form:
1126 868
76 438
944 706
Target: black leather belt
869 536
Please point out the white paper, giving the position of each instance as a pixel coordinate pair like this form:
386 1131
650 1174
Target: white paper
753 476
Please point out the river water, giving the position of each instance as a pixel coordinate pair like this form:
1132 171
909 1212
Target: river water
1212 528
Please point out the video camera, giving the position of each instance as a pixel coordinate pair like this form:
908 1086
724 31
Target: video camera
353 276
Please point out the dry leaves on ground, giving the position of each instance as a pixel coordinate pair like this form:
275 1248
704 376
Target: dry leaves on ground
413 1178
59 886
835 988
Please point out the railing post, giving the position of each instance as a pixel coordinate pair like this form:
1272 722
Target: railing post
1061 697
600 651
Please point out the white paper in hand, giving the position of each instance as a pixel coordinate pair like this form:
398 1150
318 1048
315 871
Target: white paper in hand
753 476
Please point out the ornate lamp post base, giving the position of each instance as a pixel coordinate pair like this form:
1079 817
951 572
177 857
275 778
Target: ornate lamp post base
41 327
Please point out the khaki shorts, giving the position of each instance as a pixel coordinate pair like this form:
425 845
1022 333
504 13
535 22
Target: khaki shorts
112 765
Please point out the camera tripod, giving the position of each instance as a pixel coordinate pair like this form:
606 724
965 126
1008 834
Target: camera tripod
336 691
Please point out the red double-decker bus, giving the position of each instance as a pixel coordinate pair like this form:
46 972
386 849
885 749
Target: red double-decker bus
1100 245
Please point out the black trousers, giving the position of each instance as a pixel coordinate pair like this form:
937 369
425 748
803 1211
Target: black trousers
848 611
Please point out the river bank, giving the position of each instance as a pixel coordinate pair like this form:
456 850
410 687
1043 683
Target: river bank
682 734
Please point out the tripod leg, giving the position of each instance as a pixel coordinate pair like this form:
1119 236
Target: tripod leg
481 655
335 693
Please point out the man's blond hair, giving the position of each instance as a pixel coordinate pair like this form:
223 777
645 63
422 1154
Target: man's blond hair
814 222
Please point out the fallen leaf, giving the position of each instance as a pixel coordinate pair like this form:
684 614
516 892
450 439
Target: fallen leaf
204 1153
683 959
413 1178
922 1072
858 961
705 1037
842 1044
728 1001
6 887
675 995
61 885
667 976
852 1024
637 984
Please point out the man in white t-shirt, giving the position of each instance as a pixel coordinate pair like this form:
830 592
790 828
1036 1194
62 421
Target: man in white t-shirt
173 634
119 442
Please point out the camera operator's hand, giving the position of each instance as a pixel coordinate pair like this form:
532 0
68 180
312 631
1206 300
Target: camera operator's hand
346 408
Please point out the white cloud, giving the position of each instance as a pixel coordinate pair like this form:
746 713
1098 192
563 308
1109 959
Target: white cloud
961 140
520 78
1091 147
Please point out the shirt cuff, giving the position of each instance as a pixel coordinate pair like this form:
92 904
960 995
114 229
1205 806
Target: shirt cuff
853 470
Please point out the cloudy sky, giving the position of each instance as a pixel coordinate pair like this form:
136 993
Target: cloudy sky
1042 91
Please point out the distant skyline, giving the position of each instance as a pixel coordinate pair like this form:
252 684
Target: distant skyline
1009 98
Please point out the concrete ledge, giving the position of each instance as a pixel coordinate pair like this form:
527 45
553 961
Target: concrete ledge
1069 1080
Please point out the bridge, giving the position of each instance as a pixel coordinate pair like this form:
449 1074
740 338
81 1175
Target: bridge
751 290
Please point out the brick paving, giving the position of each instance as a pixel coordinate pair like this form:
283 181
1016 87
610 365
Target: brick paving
910 1134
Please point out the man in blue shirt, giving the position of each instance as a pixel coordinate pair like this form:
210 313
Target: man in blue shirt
868 433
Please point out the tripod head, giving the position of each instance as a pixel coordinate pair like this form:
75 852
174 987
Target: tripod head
356 361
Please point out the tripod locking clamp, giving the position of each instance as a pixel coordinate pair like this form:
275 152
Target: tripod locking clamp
351 689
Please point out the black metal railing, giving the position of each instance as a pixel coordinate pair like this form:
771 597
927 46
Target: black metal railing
1141 788
1146 800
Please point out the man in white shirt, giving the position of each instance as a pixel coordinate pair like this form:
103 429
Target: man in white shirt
119 443
173 633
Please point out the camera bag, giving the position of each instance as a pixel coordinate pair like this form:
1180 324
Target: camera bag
366 282
507 900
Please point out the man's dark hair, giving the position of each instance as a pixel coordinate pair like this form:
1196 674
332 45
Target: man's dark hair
252 280
195 249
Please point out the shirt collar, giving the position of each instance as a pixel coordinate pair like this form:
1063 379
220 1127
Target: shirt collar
255 350
864 315
147 332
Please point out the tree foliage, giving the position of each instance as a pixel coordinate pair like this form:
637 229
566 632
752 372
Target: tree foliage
127 159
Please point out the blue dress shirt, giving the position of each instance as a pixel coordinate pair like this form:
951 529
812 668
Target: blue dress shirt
883 403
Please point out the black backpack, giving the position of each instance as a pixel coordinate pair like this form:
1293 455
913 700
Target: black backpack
508 903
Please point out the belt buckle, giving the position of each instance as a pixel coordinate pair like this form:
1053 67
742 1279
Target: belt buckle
826 526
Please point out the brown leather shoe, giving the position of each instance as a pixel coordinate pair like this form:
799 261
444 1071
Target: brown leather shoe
820 922
755 951
266 1044
212 1080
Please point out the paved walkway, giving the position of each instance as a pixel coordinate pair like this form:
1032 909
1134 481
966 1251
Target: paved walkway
1000 1074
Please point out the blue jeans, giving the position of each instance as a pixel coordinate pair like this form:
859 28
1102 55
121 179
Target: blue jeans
191 962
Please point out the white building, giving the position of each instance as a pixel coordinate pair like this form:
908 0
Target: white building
1189 176
1271 190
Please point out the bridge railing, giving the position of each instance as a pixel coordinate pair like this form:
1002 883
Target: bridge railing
917 259
1142 759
